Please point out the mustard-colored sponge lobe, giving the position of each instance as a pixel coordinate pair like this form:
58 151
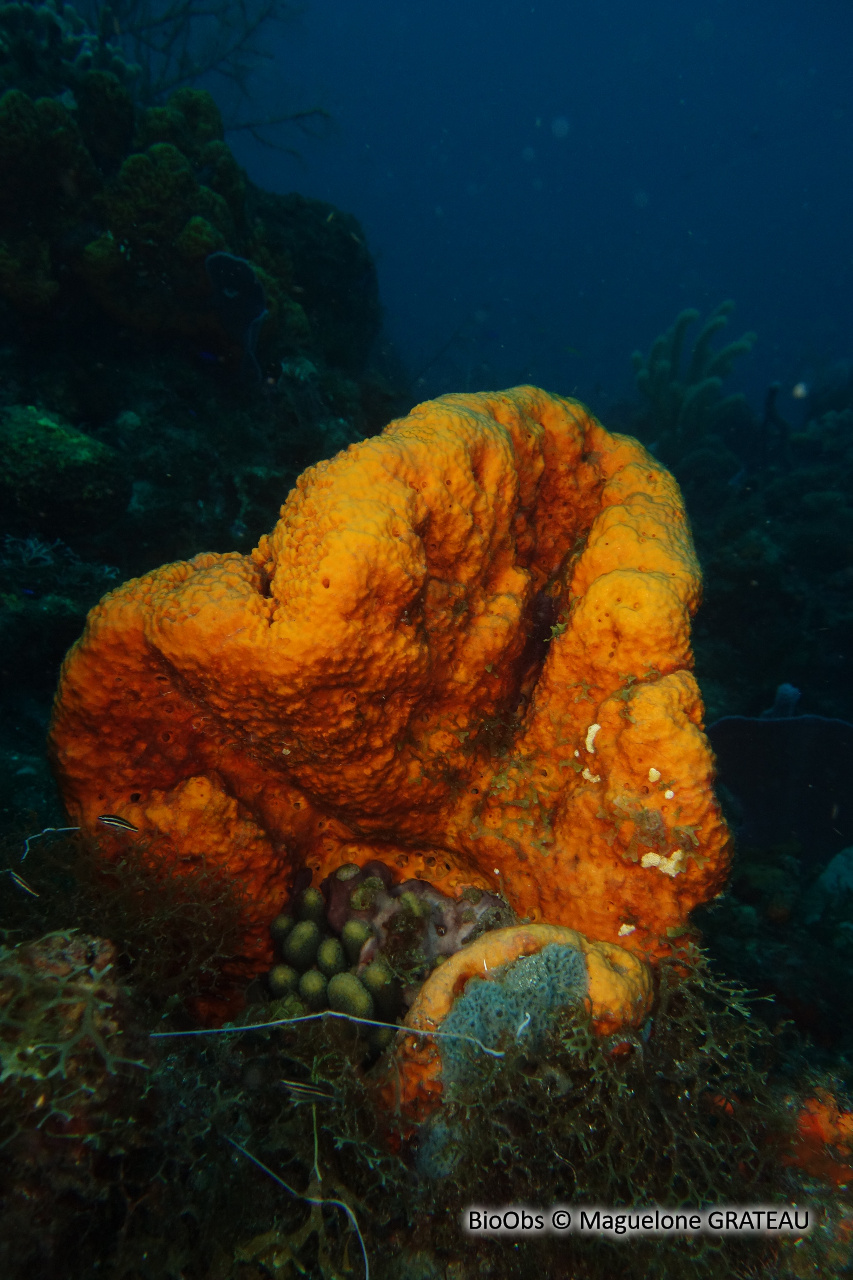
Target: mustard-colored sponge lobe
463 650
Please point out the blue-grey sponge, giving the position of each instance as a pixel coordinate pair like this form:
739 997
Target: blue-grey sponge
517 1004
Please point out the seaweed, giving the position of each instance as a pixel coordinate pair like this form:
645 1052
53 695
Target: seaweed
676 1114
268 1144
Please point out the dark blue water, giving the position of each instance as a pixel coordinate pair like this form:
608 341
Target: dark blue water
557 180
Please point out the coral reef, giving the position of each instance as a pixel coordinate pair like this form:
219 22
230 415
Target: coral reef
46 49
108 206
684 404
453 686
61 1022
150 1181
45 589
56 477
140 422
372 948
267 1147
774 544
182 44
110 221
411 923
464 651
785 927
769 506
518 1001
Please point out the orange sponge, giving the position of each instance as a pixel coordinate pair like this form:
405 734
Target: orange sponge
464 650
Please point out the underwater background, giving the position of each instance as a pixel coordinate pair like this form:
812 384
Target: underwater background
237 239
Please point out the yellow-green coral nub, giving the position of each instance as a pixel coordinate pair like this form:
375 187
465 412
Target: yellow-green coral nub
300 945
380 982
312 989
348 995
282 980
330 957
382 1037
281 927
354 935
311 905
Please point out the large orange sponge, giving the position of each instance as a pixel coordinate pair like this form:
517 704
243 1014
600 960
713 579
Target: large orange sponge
464 649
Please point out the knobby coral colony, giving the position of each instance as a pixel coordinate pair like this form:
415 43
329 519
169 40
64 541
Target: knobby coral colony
453 688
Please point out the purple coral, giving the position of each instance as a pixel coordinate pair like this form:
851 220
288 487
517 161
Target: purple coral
414 926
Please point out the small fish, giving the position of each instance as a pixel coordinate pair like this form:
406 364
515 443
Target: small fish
300 1091
23 884
113 820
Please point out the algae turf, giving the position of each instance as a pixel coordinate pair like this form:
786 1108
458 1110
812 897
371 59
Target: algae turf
55 477
141 1160
680 1114
173 936
142 1170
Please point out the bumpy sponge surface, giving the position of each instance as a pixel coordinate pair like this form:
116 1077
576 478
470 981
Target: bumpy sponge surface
464 650
517 1003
